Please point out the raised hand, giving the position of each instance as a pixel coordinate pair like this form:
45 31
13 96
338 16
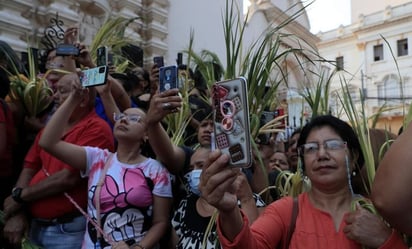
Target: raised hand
162 104
217 182
84 57
71 35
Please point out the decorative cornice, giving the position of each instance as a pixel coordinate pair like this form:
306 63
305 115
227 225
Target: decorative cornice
276 16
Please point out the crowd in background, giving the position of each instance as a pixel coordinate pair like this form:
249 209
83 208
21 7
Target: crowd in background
98 169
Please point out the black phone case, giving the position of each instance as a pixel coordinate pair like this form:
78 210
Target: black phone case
158 60
231 121
102 56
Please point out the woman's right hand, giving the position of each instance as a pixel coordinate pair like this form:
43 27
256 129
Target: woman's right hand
217 182
159 101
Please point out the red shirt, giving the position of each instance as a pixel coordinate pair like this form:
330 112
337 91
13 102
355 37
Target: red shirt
314 229
90 131
6 159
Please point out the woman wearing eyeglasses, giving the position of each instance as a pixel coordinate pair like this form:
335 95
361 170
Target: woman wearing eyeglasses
129 195
330 152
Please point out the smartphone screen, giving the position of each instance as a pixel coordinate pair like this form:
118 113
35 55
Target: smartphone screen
158 60
67 50
167 78
94 76
231 121
102 56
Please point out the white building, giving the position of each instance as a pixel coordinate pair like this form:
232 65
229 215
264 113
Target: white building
370 51
164 28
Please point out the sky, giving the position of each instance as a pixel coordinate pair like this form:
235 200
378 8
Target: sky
325 15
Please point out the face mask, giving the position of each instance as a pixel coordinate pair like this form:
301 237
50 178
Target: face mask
194 180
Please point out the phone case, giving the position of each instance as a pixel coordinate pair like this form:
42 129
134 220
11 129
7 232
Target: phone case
167 78
102 56
67 50
231 121
158 60
94 76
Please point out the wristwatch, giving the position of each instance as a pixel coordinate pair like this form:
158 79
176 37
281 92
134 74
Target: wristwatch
16 195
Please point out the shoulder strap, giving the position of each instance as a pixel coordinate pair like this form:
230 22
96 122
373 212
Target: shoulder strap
295 211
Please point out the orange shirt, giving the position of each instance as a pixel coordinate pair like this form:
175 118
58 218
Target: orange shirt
314 229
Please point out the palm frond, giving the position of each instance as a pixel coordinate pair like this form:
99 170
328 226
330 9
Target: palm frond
112 35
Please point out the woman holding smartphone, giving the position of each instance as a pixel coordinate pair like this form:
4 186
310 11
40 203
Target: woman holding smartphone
330 152
129 195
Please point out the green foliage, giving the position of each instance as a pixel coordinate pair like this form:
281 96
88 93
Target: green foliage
112 35
317 97
359 122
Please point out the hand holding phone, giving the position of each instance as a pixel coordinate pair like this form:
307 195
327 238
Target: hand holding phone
231 121
94 76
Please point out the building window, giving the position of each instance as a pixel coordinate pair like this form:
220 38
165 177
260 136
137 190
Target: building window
378 52
339 63
402 47
389 91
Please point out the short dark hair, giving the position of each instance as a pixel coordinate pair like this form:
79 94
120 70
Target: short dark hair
343 129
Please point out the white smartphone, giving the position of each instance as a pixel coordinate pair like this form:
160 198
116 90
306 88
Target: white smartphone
231 121
94 76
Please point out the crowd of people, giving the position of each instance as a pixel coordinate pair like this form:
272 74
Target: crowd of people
98 169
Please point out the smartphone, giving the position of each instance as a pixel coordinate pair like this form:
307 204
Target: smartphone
102 56
67 50
179 60
94 76
167 78
231 121
158 60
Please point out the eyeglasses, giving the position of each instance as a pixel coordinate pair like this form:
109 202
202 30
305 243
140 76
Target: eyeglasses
132 118
328 145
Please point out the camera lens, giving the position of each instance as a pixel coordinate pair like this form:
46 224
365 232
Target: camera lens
102 69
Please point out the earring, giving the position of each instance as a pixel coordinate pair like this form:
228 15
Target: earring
353 173
349 175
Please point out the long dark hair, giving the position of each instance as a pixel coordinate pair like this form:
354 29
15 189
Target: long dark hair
9 59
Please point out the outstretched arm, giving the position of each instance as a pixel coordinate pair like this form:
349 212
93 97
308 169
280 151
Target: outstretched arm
390 190
51 141
172 156
107 98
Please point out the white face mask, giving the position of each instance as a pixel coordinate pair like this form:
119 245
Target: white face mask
194 180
